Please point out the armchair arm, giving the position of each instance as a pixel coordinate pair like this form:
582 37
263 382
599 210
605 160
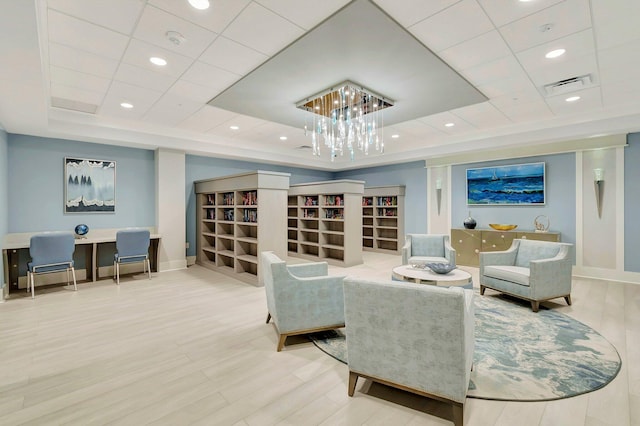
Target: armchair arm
551 277
313 269
406 251
506 257
449 253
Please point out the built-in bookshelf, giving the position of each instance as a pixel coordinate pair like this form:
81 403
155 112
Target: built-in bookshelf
324 220
238 217
383 218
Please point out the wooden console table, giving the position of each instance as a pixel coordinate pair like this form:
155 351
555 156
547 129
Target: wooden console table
17 245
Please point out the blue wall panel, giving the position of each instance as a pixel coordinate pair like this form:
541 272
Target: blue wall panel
36 194
560 194
199 168
632 203
413 176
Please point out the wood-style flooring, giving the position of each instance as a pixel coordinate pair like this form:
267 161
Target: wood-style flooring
192 347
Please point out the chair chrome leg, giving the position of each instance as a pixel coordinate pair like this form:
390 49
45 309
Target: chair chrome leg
148 262
33 291
73 272
118 273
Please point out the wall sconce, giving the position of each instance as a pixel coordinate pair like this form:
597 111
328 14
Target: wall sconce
598 183
438 193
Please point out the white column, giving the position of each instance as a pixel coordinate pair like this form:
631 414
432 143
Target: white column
171 209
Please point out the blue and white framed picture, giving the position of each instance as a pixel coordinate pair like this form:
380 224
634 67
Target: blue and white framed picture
519 184
89 186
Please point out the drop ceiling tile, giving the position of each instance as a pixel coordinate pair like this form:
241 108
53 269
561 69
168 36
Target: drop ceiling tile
410 12
438 121
232 56
500 69
618 73
304 13
76 94
584 65
78 60
141 98
522 111
482 49
84 36
117 15
460 22
192 91
155 23
79 80
576 45
244 123
482 116
590 100
206 118
413 128
254 28
138 53
209 76
616 22
143 78
565 18
502 12
216 18
518 86
171 110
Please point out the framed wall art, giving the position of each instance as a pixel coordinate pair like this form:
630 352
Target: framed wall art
89 186
521 184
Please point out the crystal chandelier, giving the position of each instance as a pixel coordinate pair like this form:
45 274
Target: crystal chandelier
345 118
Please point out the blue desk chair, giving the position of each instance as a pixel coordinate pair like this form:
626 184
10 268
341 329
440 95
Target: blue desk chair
132 246
51 253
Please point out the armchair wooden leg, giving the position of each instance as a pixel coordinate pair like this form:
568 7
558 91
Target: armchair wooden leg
458 414
353 379
268 317
281 341
482 290
535 306
567 298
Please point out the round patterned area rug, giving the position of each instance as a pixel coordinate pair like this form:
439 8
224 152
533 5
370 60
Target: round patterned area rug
524 356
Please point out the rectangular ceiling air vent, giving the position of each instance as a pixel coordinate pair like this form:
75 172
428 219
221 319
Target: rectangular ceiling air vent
73 105
568 85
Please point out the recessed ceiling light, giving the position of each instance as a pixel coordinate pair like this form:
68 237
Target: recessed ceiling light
283 138
555 53
156 60
395 136
199 4
572 98
449 125
234 127
126 105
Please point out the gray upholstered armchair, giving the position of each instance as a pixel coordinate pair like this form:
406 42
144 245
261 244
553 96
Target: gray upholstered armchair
532 270
425 248
414 337
301 298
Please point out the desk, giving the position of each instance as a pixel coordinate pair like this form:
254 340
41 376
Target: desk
15 243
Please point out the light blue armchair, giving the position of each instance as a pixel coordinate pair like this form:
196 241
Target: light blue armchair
532 270
414 337
301 298
426 248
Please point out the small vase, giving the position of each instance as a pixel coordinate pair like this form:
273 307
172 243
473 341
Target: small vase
470 223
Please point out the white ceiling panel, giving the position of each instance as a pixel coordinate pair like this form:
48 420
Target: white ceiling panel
589 99
206 118
84 36
88 63
479 50
244 123
76 94
138 53
518 86
79 80
141 98
503 68
577 45
440 121
438 33
155 23
304 13
565 18
254 28
192 91
117 15
171 110
482 116
139 77
232 56
522 111
616 21
502 12
410 12
216 18
209 76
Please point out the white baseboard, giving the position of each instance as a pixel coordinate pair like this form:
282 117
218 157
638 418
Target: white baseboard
606 274
191 260
172 265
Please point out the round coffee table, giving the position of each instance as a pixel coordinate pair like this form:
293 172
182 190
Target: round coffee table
457 277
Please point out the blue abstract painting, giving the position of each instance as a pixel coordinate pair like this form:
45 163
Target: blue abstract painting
90 186
514 184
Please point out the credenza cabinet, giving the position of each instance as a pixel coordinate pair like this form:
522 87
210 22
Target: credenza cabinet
325 221
468 243
238 217
383 219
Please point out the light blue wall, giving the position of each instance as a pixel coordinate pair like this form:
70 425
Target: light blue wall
413 176
36 193
560 195
199 168
632 203
4 196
